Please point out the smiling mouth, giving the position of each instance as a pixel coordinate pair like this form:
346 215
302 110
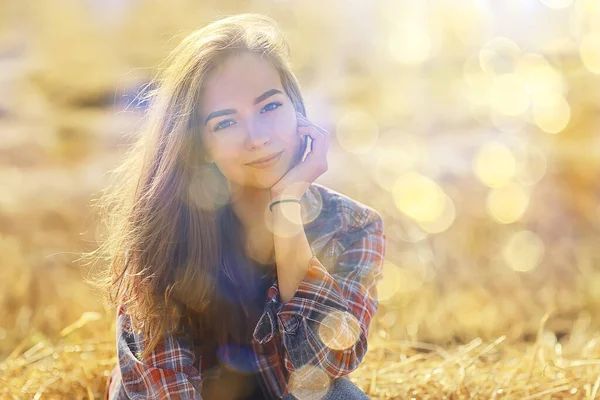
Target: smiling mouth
265 160
266 163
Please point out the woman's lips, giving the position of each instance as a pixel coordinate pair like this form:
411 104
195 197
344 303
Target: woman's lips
268 163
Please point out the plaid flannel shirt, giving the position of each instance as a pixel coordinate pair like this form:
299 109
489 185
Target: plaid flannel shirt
349 242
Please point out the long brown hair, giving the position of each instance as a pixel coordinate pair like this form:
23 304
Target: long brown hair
166 210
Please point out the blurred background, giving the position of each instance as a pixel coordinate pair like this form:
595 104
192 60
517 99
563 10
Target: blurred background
472 126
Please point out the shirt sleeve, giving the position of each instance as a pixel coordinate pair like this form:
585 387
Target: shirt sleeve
167 373
326 322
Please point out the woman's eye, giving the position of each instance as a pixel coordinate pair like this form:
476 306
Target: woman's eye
221 125
278 104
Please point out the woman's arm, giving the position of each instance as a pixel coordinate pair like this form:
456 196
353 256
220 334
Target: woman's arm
325 321
292 250
168 373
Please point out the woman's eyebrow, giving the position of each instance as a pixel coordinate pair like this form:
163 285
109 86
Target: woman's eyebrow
228 111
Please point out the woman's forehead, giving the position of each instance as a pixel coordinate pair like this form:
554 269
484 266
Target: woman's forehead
239 80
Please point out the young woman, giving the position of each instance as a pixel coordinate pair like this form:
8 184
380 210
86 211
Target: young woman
234 275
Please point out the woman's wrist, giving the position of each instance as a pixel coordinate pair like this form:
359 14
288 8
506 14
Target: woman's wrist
280 201
294 191
287 219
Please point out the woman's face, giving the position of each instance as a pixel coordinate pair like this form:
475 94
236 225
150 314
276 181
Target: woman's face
246 115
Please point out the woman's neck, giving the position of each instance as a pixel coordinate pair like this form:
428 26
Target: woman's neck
249 205
250 208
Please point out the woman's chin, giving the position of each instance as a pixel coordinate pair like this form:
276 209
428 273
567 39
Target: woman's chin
267 181
265 178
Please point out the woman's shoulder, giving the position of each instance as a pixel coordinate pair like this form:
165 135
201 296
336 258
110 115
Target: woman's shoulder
335 206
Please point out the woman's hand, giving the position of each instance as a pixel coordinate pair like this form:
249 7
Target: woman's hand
295 182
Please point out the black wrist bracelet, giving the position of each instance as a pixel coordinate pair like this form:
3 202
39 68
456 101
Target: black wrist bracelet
281 201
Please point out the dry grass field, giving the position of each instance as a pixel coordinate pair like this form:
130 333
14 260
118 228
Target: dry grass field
473 129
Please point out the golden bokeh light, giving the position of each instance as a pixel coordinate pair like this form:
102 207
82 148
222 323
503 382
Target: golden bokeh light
471 22
389 286
411 42
388 319
309 382
531 164
507 204
552 114
397 281
339 330
508 123
397 158
523 251
557 4
477 95
393 103
444 220
479 113
589 51
410 282
388 163
357 132
302 54
478 81
494 164
508 94
540 77
418 197
470 306
407 229
591 7
499 56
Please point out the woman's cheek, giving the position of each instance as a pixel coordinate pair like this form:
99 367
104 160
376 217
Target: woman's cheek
288 127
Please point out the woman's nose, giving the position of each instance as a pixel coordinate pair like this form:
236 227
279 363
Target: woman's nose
257 135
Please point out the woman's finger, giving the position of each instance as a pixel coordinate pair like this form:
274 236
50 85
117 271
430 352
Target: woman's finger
311 131
320 143
303 121
317 127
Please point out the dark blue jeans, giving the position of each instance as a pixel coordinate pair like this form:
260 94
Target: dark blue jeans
340 389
